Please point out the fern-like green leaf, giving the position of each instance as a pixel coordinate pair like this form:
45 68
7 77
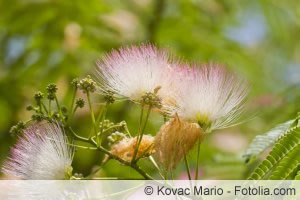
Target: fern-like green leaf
286 144
297 177
262 142
287 165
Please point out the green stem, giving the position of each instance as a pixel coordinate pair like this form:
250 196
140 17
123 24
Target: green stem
198 159
78 137
40 108
127 131
141 120
172 175
49 108
166 175
140 136
147 117
72 104
140 128
92 112
59 109
73 111
187 167
103 116
43 105
82 147
112 127
99 117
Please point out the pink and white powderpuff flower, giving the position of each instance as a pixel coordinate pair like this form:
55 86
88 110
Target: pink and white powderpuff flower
41 153
133 72
209 95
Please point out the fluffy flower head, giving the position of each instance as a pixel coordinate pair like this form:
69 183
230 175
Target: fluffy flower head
210 96
134 72
41 154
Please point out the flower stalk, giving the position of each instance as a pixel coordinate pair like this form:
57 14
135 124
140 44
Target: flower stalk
187 167
142 130
198 159
92 113
72 102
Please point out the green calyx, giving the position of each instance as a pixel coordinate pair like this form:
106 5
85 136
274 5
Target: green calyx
204 121
68 172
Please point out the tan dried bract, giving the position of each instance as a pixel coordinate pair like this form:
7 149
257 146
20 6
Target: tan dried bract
174 139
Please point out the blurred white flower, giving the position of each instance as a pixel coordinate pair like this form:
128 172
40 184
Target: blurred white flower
210 96
134 72
41 153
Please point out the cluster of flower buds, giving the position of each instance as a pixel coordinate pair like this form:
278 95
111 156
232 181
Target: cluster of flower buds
38 96
109 97
18 128
115 137
106 124
75 83
51 91
87 85
152 100
80 103
114 131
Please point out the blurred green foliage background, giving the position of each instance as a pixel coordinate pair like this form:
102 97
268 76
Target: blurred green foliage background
44 41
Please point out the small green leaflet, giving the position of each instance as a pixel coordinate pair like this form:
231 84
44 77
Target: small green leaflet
262 142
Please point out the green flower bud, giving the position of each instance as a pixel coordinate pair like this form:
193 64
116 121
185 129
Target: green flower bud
51 88
75 82
38 97
151 99
87 85
29 108
80 103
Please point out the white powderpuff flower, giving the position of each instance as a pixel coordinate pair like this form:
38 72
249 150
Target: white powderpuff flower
41 154
133 72
210 96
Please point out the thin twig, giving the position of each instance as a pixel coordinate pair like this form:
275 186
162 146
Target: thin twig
92 112
141 134
71 113
187 167
198 159
103 116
